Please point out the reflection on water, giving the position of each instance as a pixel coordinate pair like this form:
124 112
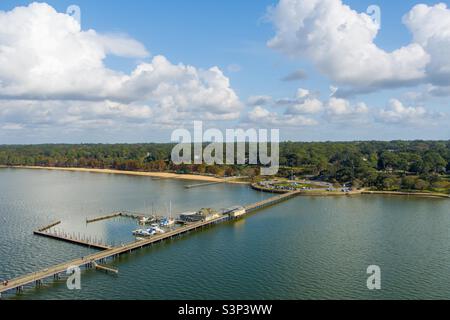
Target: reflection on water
305 248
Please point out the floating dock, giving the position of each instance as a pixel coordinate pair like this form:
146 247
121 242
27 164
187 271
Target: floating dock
18 284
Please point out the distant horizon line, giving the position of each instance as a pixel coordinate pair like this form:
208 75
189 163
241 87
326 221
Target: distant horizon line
171 142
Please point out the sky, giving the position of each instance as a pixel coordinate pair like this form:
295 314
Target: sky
135 71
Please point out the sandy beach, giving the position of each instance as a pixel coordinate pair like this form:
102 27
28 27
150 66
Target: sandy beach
162 175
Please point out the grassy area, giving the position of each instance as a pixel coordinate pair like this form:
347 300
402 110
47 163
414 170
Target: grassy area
299 185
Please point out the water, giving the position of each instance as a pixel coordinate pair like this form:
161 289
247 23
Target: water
306 248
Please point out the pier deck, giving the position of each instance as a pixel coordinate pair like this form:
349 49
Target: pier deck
270 202
199 185
92 260
73 240
106 217
49 226
105 268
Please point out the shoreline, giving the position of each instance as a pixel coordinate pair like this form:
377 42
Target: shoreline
162 175
403 193
316 193
191 177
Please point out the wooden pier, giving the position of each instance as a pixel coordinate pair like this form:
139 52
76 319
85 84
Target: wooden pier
73 239
105 268
135 215
270 202
199 185
106 217
49 226
93 260
124 214
18 284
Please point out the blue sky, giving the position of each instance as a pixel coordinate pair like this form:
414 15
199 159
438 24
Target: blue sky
233 36
205 33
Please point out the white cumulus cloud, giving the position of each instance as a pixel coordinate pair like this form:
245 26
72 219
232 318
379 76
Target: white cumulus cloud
341 43
309 106
47 59
342 107
397 113
263 117
259 100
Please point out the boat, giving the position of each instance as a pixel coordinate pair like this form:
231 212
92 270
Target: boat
145 220
144 233
167 221
155 227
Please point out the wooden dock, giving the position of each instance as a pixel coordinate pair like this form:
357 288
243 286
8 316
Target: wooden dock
125 214
106 217
49 226
270 202
105 268
73 239
199 185
135 215
93 260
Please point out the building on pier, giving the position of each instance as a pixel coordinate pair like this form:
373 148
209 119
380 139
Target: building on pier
235 212
205 214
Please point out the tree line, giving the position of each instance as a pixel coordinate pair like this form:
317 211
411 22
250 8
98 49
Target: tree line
394 165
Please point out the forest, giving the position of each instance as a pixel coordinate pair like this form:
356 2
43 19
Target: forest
394 165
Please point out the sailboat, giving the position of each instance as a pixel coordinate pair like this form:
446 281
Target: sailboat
168 221
146 220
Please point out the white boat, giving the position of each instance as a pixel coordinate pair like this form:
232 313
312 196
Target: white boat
145 220
167 222
136 232
150 232
155 227
144 233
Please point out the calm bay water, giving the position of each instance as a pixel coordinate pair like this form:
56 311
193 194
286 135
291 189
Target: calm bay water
306 248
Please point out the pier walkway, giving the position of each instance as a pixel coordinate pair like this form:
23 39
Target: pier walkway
93 260
73 239
271 201
199 185
124 214
106 217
